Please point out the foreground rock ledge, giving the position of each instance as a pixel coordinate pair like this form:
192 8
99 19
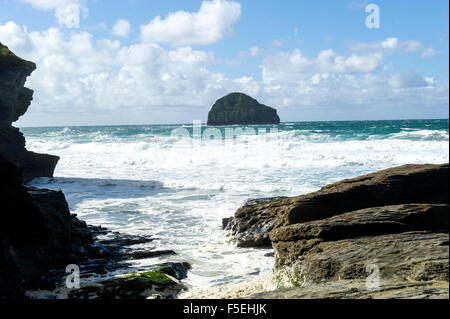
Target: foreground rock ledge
405 184
393 222
356 289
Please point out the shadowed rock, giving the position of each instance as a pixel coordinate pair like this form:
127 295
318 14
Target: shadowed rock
37 232
369 222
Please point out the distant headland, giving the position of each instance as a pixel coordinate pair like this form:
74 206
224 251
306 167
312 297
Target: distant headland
241 109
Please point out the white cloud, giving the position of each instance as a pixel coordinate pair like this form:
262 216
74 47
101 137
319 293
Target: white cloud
209 25
429 52
388 46
408 80
80 74
68 15
47 4
292 65
121 28
390 43
293 80
67 12
254 51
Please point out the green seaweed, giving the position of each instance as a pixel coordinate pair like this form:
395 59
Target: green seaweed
156 277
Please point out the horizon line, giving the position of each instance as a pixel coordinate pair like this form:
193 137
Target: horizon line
204 123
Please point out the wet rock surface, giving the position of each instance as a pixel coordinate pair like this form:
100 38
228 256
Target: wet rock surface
355 289
393 224
157 281
405 184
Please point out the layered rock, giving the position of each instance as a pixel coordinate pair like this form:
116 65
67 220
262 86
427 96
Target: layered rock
241 109
408 241
393 224
354 289
405 184
14 102
37 232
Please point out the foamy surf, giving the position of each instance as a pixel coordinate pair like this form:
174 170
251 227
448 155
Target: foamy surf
141 180
260 283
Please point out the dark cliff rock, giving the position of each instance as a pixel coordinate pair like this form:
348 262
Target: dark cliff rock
350 241
39 237
14 97
37 232
241 109
405 184
14 102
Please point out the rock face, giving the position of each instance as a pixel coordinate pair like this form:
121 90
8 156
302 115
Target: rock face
393 222
241 109
410 241
405 184
14 102
39 236
160 281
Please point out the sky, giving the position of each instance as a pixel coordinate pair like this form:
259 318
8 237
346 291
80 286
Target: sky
104 62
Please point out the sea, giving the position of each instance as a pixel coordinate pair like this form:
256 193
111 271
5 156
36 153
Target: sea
177 182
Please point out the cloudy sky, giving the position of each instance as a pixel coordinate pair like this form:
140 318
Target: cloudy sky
103 62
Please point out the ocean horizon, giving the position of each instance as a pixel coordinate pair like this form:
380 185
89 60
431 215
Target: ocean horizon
204 123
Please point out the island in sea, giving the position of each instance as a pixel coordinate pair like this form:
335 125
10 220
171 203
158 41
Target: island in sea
241 109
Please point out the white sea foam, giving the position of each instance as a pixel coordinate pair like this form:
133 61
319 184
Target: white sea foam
178 191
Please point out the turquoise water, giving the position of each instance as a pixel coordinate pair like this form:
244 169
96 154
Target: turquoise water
176 183
343 130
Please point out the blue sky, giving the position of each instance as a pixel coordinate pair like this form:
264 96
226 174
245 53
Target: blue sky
143 62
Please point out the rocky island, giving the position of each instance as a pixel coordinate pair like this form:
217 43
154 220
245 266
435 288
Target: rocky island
241 109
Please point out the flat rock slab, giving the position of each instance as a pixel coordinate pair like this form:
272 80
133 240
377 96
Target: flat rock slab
353 289
405 184
369 222
418 255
